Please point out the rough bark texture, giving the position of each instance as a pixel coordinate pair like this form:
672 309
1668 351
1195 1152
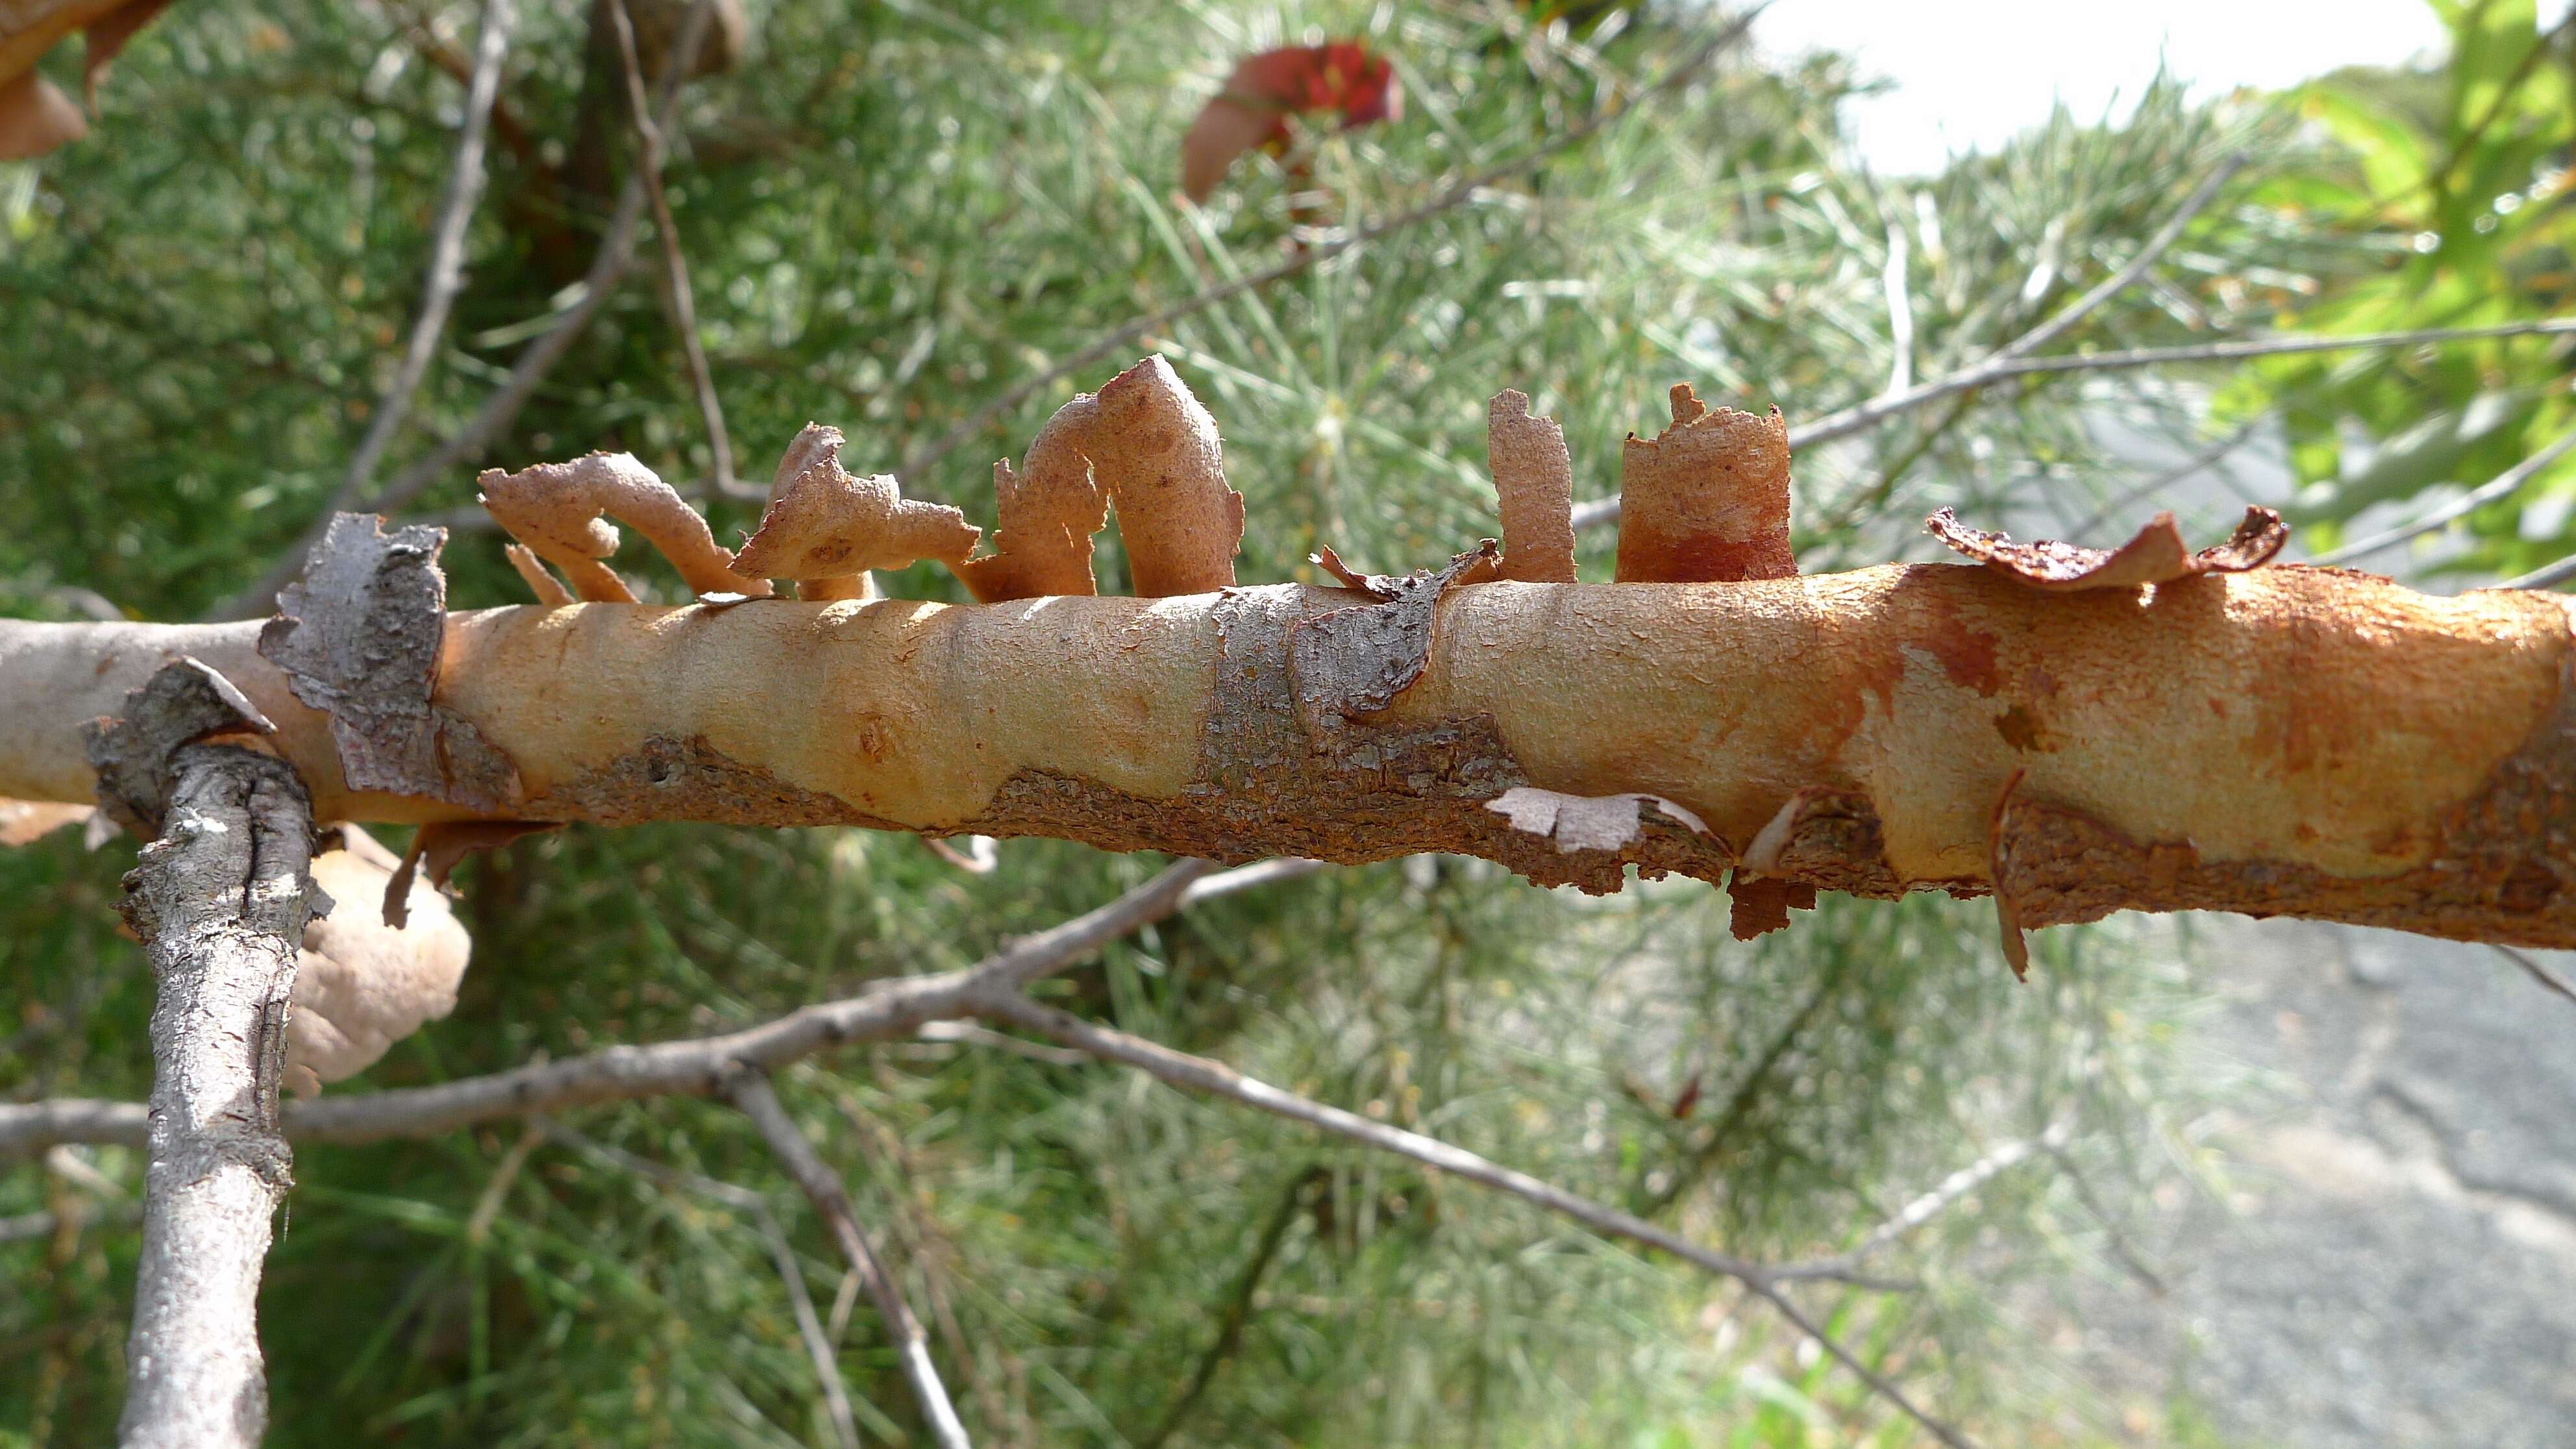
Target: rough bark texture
221 900
2322 742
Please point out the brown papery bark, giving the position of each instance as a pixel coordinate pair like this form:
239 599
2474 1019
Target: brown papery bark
2286 740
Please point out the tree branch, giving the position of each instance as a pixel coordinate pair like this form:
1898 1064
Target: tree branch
1931 1204
1217 1079
782 1256
221 901
2495 490
700 1067
751 1091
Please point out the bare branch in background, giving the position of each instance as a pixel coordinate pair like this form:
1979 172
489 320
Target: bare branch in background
2495 490
675 267
751 1091
1457 195
782 1256
2128 276
608 265
696 1067
2539 971
1217 1079
1931 1204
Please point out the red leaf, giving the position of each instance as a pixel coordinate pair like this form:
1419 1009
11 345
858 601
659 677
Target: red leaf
1253 109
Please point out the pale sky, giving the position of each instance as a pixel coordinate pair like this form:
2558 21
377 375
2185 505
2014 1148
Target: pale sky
1970 73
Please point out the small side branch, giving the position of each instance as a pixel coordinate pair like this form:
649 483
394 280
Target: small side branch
695 1067
220 901
1200 1074
751 1091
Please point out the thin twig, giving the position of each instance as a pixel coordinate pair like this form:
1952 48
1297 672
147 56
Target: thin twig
2545 576
782 1256
751 1091
1238 1305
446 271
1931 1204
607 266
2127 277
694 1067
1217 1079
1457 195
2504 485
2537 969
675 267
2119 1240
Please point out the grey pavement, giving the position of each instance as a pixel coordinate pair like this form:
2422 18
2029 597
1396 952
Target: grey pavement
2392 1257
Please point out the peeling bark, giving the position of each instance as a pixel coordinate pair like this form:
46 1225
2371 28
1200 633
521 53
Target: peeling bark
2320 742
1534 487
1707 499
2155 556
358 637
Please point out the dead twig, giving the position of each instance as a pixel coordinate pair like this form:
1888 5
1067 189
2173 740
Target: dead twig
750 1090
782 1256
698 1067
1931 1204
1217 1079
2537 970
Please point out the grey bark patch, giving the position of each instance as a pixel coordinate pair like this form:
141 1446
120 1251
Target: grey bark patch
134 751
1270 781
1355 661
690 779
359 638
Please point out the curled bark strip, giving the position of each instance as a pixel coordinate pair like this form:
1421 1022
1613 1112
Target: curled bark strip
364 979
1356 661
561 510
1831 839
1142 443
533 572
826 529
1534 483
2155 556
1707 499
2008 919
220 901
359 637
133 751
437 848
1760 904
1584 822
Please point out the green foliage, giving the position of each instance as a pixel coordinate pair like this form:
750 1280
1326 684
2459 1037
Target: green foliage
2433 200
892 212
